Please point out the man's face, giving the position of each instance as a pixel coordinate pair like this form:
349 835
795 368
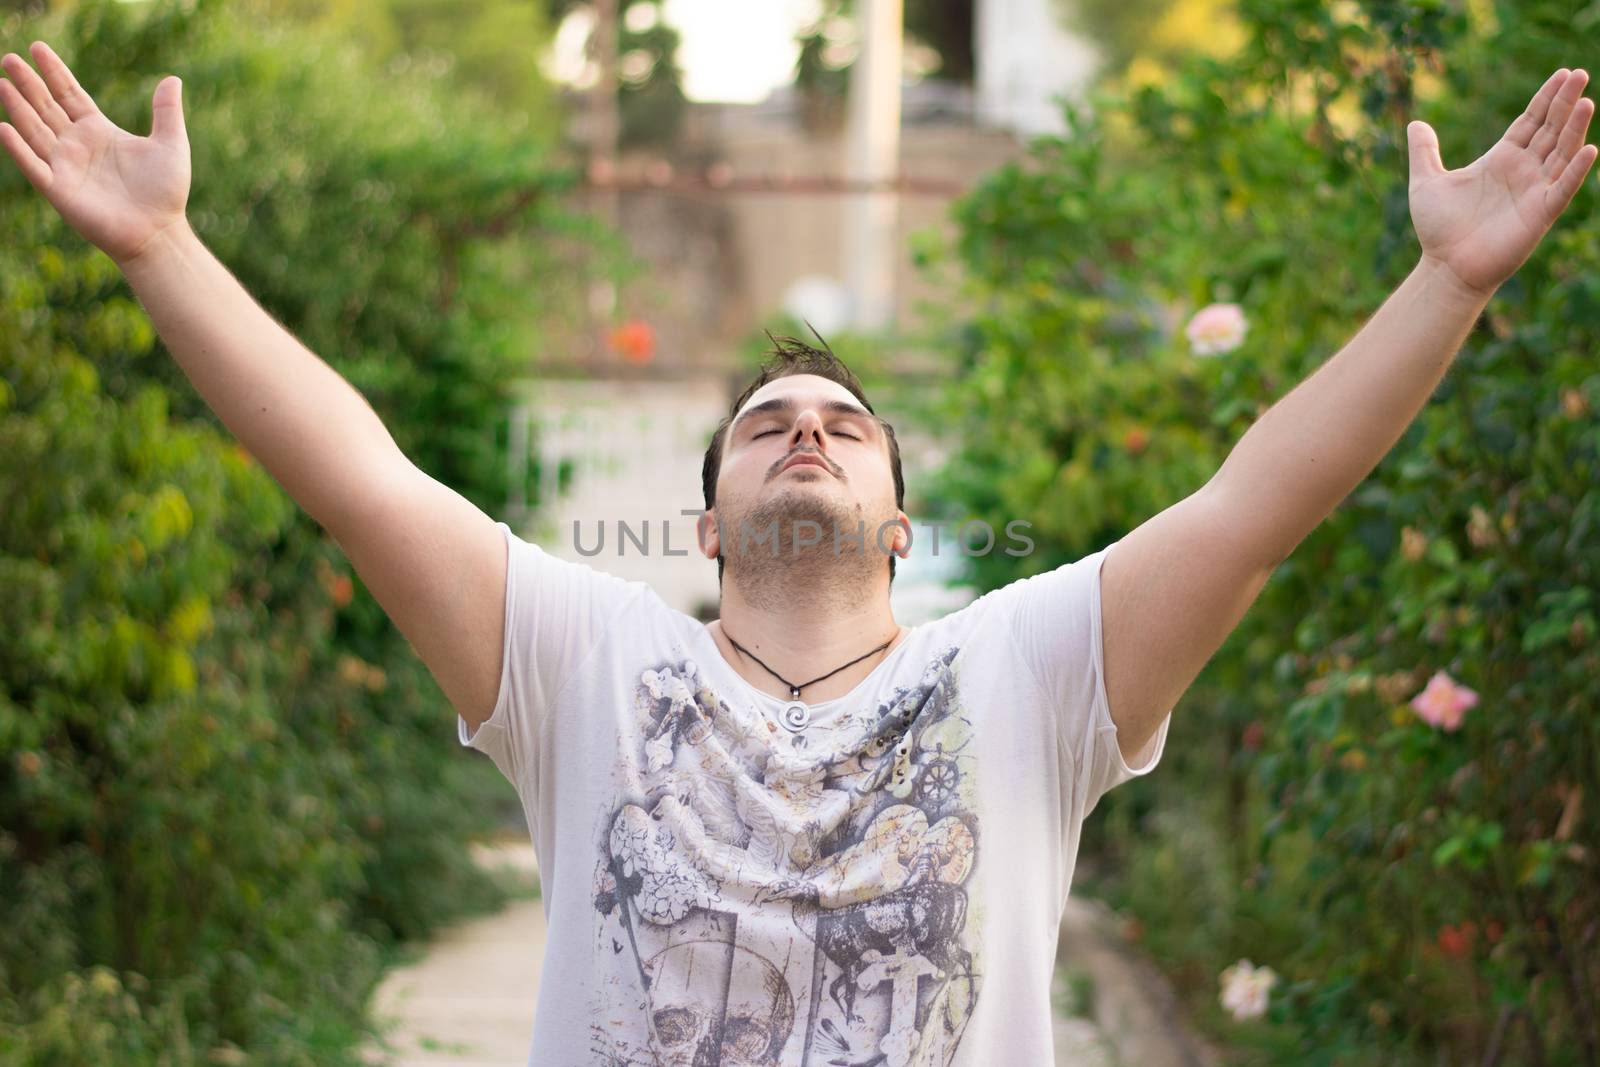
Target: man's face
804 449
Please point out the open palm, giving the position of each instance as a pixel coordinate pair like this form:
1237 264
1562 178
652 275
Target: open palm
118 190
1484 220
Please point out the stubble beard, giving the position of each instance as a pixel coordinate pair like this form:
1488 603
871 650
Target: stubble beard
776 574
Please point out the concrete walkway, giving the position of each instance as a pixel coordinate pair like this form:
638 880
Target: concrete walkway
469 1002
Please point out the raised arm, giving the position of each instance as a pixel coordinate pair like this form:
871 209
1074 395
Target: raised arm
1176 586
1476 226
433 560
128 195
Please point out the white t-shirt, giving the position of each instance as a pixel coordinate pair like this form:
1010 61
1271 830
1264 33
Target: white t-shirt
883 884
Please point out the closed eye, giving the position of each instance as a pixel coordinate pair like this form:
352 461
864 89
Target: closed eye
837 433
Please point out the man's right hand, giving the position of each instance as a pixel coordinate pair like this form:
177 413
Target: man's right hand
434 562
119 191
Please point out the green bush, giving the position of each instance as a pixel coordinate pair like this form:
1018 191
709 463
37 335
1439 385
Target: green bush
1425 895
228 787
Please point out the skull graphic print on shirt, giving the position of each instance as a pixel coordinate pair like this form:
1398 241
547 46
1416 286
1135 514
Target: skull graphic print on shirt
765 897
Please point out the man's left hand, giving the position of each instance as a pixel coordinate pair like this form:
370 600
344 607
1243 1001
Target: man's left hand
1481 222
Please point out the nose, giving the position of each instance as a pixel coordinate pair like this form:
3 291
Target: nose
807 429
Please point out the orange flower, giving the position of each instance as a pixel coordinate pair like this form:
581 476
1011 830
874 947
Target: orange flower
1413 543
1254 734
1455 941
636 342
352 670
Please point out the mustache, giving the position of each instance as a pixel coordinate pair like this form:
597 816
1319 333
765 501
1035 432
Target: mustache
777 468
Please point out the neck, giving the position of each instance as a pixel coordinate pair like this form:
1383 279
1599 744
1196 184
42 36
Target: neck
806 630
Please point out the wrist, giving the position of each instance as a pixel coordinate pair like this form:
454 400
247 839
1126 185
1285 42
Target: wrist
159 246
1441 280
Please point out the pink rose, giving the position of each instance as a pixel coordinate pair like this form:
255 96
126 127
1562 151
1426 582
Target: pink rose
1444 702
1216 328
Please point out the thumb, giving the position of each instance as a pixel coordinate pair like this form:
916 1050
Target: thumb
167 106
1425 161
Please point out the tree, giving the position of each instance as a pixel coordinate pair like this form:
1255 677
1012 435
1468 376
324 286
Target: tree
222 770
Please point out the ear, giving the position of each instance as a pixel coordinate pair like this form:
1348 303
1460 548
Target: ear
900 540
705 533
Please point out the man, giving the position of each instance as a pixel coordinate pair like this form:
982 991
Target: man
804 833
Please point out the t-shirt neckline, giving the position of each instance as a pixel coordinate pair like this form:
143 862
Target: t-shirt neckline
721 661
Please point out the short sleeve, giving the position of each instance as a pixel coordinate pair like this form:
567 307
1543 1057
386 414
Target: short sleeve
555 612
1056 623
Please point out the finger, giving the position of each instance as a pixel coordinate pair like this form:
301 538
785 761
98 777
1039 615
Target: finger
33 168
1545 139
1572 135
167 112
1559 195
1527 124
26 121
63 86
1424 145
34 90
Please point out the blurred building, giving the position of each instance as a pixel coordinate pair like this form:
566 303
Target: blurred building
732 221
1025 59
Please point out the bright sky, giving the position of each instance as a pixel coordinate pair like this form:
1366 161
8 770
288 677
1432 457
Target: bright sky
731 50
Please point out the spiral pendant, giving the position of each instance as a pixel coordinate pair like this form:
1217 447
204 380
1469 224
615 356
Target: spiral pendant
795 715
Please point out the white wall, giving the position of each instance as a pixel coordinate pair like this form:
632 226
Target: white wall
636 447
1024 57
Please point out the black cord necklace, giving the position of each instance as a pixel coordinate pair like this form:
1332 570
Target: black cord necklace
794 690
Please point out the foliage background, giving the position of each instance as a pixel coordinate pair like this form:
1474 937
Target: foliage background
1427 897
221 769
219 782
